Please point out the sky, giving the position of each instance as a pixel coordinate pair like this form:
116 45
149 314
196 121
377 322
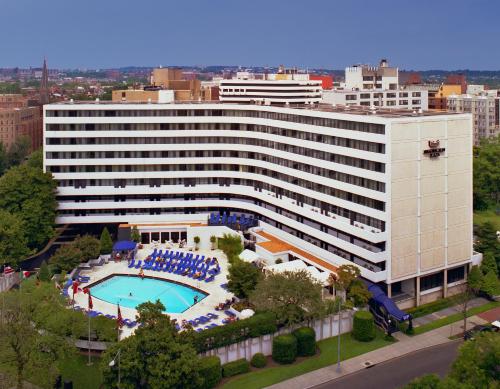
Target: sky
332 34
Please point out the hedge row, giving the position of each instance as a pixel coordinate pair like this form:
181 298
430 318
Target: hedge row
239 366
255 326
211 371
306 341
363 328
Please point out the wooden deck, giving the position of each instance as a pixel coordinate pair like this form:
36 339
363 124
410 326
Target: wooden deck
275 246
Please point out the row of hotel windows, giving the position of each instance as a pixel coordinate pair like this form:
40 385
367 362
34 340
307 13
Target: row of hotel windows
302 119
301 235
216 196
322 155
303 135
303 167
348 196
325 208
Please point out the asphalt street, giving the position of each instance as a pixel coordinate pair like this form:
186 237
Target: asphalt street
398 372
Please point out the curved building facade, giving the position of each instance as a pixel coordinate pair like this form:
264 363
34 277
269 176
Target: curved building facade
351 186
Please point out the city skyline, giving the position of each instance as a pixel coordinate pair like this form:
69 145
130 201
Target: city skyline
321 34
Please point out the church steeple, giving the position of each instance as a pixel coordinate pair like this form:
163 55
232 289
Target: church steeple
44 85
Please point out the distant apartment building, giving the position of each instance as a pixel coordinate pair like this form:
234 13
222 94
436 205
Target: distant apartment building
376 87
154 95
288 86
485 109
18 118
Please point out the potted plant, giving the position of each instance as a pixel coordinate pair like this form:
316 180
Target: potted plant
196 242
213 241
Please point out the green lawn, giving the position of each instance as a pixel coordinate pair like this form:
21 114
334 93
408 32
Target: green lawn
349 348
481 217
455 317
83 376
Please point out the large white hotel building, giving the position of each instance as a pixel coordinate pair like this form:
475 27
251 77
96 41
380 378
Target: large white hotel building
388 190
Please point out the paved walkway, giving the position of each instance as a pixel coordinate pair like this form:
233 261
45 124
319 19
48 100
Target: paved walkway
405 345
475 302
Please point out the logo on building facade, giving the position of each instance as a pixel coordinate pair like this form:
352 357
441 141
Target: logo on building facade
434 150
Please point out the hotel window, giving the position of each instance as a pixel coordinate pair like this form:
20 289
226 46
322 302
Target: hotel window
351 97
403 102
431 282
364 96
457 274
415 94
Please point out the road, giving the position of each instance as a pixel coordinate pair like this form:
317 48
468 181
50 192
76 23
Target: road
400 371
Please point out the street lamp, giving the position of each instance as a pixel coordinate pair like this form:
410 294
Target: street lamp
112 363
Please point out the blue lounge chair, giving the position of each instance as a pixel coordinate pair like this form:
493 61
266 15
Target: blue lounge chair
139 263
132 263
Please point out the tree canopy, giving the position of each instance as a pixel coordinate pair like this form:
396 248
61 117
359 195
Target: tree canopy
243 278
29 194
70 255
486 174
155 357
13 243
293 296
487 241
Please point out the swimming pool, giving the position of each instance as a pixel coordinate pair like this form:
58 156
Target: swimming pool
132 291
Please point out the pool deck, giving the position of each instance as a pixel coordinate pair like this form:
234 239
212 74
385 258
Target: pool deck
216 294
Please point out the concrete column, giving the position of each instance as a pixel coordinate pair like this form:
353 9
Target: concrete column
445 283
389 290
417 291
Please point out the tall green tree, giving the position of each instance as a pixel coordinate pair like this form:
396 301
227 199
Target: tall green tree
24 349
89 246
487 241
293 296
29 193
44 273
13 242
491 285
486 174
155 357
19 150
489 263
106 242
243 278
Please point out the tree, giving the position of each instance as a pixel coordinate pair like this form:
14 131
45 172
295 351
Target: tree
243 278
106 244
346 274
293 296
231 246
30 352
19 150
43 273
487 241
3 159
13 242
486 188
30 194
89 246
35 160
135 235
67 257
490 285
489 264
477 362
475 279
155 357
358 293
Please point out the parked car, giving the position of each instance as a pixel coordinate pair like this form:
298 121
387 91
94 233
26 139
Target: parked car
478 329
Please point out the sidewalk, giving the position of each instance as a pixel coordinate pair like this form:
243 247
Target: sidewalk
475 302
405 345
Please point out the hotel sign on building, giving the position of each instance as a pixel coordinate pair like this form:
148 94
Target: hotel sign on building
434 150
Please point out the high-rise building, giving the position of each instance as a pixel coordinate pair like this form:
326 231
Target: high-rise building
288 86
387 190
485 109
376 87
19 118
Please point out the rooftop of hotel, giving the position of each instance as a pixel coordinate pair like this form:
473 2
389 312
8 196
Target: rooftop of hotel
321 107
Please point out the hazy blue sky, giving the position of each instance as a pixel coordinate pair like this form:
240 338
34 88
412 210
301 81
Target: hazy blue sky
416 34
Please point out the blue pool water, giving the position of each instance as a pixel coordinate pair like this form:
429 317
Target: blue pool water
116 290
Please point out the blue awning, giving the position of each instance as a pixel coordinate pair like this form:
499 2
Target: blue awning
381 298
124 245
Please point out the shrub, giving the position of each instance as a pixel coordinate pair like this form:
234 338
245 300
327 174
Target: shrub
363 326
106 242
239 366
257 325
306 341
258 360
211 371
284 348
44 272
